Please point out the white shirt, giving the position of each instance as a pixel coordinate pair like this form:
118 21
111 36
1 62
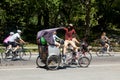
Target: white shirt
55 37
14 37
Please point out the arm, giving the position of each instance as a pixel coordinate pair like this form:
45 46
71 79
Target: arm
74 32
21 40
65 29
56 37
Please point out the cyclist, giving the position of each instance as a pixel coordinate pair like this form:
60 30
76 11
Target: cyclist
84 44
105 41
70 31
6 40
15 40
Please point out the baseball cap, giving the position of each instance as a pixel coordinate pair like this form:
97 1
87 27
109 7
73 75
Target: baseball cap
19 31
70 24
11 32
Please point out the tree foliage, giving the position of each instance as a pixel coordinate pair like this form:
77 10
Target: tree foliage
89 16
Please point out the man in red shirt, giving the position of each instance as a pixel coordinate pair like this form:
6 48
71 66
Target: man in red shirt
70 31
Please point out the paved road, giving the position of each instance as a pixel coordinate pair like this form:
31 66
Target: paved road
101 68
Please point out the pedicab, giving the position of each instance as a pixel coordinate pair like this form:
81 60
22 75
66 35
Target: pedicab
46 46
50 56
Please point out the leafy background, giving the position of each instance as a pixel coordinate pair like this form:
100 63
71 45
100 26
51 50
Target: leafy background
90 17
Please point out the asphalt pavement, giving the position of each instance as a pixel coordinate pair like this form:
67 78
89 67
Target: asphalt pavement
101 68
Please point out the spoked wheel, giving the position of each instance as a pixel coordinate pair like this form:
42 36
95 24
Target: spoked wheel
111 51
84 62
25 54
53 62
99 53
88 54
40 63
6 56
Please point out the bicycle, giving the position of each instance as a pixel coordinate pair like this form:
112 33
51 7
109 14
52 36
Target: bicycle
101 51
85 51
8 55
50 56
22 53
55 61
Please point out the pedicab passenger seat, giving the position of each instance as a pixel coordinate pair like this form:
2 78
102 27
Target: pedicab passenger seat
53 50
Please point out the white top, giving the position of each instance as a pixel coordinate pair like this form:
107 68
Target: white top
55 37
14 37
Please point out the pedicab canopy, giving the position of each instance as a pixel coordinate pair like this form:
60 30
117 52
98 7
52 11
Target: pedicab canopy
47 34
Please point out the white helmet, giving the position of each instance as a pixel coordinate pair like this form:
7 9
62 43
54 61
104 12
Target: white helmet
11 33
19 31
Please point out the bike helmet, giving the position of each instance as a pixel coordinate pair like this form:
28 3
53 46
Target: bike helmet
19 31
11 33
43 41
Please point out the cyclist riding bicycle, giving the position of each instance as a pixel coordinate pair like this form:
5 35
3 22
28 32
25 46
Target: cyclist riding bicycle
6 40
70 31
105 41
15 40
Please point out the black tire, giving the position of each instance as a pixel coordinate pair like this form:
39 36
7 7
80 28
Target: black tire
99 53
40 63
111 51
3 56
6 56
53 62
89 55
84 62
25 54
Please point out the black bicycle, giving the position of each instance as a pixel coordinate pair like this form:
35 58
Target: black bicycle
21 53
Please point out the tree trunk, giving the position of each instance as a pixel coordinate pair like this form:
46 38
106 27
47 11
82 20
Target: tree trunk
87 18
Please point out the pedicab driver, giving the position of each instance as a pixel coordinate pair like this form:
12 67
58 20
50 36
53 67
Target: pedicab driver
69 32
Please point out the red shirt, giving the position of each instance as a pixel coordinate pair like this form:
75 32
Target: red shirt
68 34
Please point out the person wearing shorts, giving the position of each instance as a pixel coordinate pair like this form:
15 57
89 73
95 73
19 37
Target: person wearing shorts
69 32
14 38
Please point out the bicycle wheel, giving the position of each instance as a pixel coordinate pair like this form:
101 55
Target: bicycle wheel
111 51
6 56
53 62
99 53
3 56
25 54
84 62
89 55
40 63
